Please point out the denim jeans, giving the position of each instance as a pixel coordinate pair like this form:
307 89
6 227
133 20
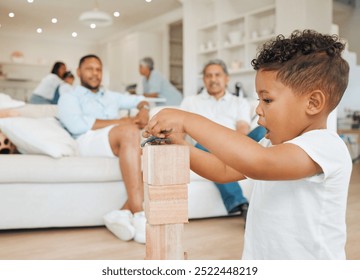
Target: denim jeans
55 100
231 193
37 99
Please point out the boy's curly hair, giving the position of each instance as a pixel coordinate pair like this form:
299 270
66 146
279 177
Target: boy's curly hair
307 61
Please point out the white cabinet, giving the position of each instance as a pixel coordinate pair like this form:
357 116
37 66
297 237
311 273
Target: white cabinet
236 40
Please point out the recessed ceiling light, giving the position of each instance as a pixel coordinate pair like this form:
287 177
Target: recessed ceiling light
148 1
116 14
39 30
74 34
54 20
30 1
92 25
11 14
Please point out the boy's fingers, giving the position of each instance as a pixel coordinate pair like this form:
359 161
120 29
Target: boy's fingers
166 131
146 133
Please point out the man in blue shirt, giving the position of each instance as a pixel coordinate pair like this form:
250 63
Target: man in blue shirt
155 85
90 114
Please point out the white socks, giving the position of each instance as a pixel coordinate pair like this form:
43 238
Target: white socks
139 223
126 226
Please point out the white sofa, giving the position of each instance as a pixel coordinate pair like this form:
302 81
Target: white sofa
39 191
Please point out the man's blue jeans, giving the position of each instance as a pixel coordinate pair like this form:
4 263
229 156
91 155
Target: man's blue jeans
231 193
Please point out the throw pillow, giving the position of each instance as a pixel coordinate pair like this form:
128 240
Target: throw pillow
43 136
7 102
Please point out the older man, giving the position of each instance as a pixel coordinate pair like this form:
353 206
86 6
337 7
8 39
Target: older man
222 107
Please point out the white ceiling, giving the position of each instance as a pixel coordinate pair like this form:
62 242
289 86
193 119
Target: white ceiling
29 17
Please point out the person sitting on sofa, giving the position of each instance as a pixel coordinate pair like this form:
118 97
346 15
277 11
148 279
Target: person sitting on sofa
45 91
90 114
222 107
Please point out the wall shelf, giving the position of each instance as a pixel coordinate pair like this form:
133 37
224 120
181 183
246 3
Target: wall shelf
236 40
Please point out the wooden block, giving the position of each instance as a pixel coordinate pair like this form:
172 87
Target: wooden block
164 242
166 164
166 192
166 204
160 212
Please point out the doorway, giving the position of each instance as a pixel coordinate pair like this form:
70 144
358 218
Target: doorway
176 54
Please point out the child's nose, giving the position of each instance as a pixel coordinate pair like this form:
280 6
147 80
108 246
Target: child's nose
258 110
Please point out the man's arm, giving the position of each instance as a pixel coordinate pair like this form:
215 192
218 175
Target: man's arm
71 115
104 123
143 105
153 94
142 118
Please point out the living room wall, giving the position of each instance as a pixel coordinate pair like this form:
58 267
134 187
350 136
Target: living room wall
19 78
42 51
347 18
38 50
122 52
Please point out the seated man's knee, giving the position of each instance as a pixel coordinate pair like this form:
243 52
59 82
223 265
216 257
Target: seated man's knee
126 132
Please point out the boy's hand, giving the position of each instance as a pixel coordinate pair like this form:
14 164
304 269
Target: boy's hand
165 123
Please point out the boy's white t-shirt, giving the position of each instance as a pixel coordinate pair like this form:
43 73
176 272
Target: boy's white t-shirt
302 219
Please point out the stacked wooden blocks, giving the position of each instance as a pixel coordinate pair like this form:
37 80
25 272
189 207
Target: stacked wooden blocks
166 172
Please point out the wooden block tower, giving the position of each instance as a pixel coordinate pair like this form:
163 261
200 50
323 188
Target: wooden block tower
166 173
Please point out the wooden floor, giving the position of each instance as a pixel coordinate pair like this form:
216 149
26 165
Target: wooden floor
205 239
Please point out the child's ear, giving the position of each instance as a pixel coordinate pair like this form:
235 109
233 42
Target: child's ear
316 102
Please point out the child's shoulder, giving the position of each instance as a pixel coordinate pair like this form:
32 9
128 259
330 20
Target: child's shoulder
331 137
319 143
324 146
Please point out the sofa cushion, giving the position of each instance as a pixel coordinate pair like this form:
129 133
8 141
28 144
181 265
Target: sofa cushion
39 136
37 110
44 169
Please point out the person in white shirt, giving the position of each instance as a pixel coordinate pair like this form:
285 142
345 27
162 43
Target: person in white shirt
301 169
44 93
66 86
216 103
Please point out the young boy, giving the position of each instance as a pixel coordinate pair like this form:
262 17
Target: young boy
301 170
